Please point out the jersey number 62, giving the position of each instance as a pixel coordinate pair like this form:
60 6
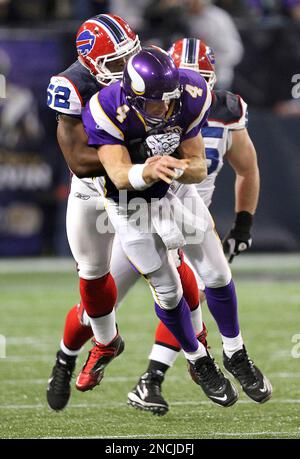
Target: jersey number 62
58 96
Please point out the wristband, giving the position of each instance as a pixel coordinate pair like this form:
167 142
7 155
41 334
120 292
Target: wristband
243 221
135 177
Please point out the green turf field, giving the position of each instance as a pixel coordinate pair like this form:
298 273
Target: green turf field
33 306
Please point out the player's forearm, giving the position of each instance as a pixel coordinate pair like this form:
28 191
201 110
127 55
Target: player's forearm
81 159
119 176
193 149
86 163
247 191
195 172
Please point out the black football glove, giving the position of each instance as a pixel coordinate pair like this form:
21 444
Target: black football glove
238 239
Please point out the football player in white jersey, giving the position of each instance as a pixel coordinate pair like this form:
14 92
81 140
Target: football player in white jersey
104 43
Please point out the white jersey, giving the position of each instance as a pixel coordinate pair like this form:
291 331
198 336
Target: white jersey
228 113
69 91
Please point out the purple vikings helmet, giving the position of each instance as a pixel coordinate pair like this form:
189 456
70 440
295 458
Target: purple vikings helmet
151 75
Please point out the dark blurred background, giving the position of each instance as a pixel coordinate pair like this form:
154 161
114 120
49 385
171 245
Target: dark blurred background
257 48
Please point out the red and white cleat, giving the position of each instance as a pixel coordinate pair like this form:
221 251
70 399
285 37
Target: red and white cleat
99 357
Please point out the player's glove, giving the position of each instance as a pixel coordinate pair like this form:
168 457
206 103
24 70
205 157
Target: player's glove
153 145
162 144
238 239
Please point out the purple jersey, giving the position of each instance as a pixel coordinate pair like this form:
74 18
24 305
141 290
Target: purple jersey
109 120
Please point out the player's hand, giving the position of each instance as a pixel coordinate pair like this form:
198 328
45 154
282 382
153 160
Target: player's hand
162 144
152 159
238 239
165 168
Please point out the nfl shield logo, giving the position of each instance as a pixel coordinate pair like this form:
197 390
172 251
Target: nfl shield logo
85 42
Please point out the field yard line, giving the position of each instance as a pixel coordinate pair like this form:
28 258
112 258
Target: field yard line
248 262
123 404
23 340
117 379
30 358
284 375
37 265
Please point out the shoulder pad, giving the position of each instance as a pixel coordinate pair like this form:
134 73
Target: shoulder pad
85 83
63 96
228 109
69 91
196 98
105 114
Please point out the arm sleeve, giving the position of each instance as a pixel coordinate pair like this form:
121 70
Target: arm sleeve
99 127
242 121
200 120
64 97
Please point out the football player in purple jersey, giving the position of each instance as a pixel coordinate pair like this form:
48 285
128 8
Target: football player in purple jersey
155 98
225 137
104 43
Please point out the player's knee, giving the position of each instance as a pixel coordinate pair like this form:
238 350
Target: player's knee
169 296
218 279
91 272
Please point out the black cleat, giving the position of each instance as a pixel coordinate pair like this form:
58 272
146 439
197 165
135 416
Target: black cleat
208 375
253 382
59 390
146 395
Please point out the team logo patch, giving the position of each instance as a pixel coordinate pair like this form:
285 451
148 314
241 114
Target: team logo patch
85 42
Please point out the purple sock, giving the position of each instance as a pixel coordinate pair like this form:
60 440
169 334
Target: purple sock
222 303
178 321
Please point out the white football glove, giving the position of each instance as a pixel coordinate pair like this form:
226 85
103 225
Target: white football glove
162 144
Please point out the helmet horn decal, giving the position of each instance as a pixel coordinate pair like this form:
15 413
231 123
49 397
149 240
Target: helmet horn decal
137 82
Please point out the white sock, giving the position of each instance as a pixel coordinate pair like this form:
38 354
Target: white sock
193 356
104 328
85 319
68 351
232 345
196 316
163 354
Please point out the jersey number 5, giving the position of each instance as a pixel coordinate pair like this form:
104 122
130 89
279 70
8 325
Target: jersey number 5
58 96
213 159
